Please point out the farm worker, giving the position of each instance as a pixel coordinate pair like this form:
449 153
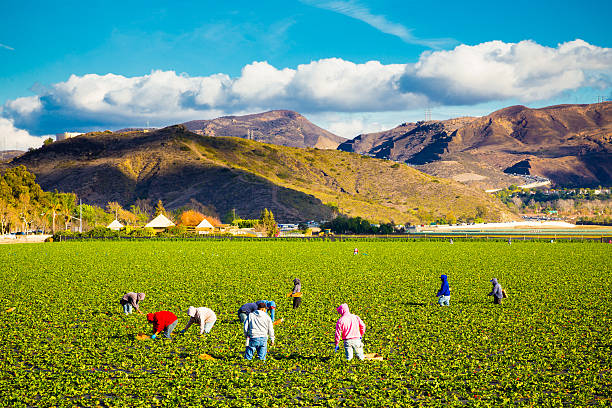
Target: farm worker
270 306
203 316
131 300
296 293
497 292
257 328
350 328
444 292
162 321
451 241
356 252
245 310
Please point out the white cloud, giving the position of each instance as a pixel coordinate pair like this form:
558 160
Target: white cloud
349 125
7 47
466 75
354 9
24 106
12 138
496 70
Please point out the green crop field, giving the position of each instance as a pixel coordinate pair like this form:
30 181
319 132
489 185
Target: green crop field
67 343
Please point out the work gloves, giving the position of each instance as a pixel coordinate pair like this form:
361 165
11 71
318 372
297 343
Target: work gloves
336 349
153 336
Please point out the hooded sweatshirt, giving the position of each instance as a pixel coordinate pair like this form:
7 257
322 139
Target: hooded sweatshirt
161 320
248 308
349 326
297 286
497 289
271 306
201 316
133 299
444 289
259 325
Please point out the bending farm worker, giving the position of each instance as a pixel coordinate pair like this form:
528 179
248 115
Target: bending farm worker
444 292
257 328
245 310
356 251
297 293
162 321
131 300
349 328
270 306
203 316
497 292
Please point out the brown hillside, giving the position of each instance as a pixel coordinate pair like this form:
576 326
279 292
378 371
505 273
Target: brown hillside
570 144
178 166
281 127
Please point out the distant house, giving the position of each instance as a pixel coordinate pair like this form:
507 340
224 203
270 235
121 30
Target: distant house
66 135
115 225
205 227
160 223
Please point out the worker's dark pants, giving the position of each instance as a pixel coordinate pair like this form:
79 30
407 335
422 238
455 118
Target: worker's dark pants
297 301
497 300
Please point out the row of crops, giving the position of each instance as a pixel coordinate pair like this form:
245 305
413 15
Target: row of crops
66 343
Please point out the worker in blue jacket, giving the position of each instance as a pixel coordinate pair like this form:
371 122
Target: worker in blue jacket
245 310
444 292
270 306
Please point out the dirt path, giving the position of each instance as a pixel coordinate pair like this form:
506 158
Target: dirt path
24 239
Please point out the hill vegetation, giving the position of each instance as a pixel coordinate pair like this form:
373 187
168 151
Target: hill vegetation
180 168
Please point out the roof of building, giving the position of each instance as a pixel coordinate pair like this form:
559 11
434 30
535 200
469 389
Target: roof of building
115 225
160 222
204 224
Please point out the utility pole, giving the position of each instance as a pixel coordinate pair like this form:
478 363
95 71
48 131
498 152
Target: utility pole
80 216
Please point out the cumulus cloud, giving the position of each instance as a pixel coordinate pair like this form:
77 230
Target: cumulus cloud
496 70
12 138
466 75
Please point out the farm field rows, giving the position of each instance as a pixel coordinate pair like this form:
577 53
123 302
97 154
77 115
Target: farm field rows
67 343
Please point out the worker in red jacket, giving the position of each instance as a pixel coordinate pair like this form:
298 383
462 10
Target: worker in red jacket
162 321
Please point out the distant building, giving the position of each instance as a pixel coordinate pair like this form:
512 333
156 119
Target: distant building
160 223
66 135
115 225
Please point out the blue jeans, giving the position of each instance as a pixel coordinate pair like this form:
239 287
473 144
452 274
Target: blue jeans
127 308
443 300
259 344
169 329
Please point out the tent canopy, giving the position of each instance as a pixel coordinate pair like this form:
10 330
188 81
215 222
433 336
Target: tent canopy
115 225
205 224
160 222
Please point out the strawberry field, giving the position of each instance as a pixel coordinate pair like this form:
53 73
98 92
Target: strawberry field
64 340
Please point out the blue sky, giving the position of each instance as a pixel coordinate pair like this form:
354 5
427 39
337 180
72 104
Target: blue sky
350 66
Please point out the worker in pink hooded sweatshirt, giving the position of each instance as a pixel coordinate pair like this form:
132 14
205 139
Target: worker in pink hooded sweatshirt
349 328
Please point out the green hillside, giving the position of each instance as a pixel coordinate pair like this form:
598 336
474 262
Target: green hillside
178 167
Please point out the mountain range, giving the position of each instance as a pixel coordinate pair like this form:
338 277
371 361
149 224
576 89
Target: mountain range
569 144
281 127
